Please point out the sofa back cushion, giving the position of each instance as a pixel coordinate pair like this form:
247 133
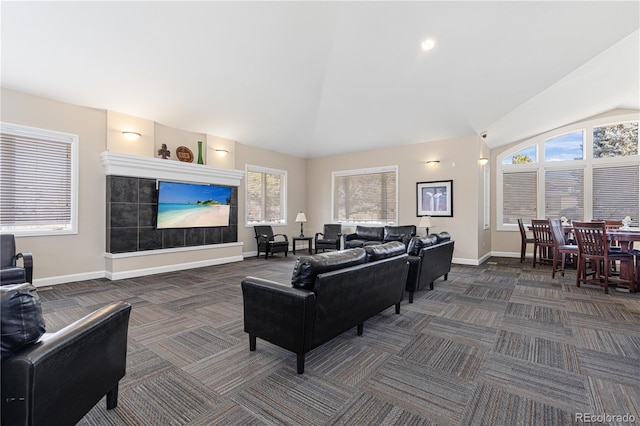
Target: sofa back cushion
373 233
418 243
399 233
443 236
384 251
21 320
307 268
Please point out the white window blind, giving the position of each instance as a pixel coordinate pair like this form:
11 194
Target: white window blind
36 180
564 194
615 193
265 196
365 196
519 196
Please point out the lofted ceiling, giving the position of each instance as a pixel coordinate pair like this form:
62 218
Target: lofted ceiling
319 78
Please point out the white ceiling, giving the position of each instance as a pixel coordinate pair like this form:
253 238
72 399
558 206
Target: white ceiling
320 78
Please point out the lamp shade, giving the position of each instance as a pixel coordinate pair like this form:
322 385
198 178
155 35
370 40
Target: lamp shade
425 222
301 217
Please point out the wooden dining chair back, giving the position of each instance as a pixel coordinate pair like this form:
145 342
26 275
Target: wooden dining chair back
593 246
524 240
542 242
560 247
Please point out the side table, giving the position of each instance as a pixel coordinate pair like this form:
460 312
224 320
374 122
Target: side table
307 239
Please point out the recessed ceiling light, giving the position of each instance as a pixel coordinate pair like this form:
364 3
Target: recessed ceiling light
428 44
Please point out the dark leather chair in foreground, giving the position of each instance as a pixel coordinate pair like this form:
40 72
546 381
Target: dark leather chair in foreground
429 259
268 243
58 379
10 272
330 237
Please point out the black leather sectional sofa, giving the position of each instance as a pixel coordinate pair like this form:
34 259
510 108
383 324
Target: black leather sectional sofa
373 235
329 293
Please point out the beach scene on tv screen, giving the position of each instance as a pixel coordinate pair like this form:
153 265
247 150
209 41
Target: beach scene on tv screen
183 205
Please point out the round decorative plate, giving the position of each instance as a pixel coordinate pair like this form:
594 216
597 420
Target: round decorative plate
184 154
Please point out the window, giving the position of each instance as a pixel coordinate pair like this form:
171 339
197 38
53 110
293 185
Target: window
366 196
38 181
587 171
519 194
567 147
564 194
610 205
525 156
615 140
266 191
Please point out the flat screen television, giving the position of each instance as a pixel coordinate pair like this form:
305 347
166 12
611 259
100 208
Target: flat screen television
192 205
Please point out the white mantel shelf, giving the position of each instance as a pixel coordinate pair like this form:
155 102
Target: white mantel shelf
118 164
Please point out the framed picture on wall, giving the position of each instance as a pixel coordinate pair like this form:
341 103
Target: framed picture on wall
435 198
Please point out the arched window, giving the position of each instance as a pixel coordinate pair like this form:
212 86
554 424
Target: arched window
585 171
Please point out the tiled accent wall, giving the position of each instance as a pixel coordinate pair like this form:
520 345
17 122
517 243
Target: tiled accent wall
132 205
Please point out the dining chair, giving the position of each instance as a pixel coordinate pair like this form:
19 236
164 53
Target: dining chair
542 241
524 240
594 246
560 247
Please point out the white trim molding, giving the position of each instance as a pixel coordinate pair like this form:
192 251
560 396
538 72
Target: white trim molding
119 164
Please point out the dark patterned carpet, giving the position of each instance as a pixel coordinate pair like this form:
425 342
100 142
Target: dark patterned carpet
498 344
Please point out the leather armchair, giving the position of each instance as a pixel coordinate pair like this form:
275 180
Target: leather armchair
10 272
267 242
330 238
58 379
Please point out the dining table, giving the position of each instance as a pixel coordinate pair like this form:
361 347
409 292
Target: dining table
625 237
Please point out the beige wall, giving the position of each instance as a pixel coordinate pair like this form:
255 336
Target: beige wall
68 256
297 193
457 161
82 256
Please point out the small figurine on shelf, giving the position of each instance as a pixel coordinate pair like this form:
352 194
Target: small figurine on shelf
164 152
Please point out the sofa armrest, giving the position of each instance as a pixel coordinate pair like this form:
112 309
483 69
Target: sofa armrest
281 235
348 237
81 363
280 314
27 264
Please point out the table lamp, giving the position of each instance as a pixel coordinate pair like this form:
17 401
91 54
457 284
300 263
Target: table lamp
425 222
302 219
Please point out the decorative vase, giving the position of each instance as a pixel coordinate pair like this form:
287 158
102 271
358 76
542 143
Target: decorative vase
200 153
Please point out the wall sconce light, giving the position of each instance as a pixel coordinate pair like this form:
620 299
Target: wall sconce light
221 152
132 136
433 163
483 161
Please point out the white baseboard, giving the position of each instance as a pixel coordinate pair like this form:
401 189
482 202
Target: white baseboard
508 254
61 279
168 268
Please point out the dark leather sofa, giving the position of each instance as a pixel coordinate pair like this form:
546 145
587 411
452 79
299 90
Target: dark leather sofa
372 235
429 259
58 379
329 294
